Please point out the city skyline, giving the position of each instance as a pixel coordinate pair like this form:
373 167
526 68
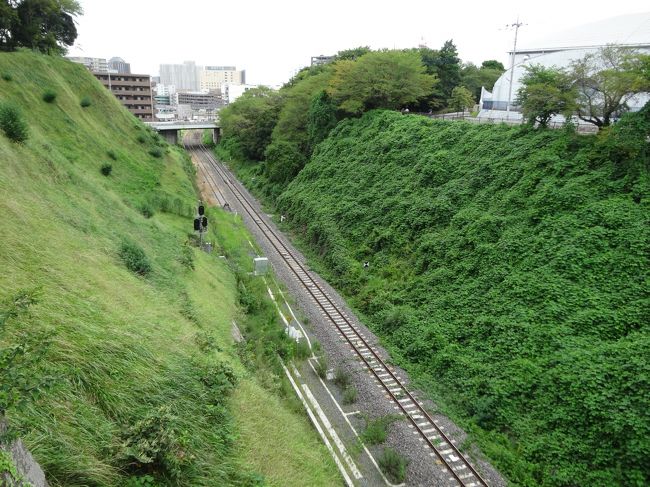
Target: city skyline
271 42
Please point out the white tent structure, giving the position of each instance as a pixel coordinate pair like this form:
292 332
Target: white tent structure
558 51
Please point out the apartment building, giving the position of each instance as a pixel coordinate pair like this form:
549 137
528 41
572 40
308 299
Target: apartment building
133 91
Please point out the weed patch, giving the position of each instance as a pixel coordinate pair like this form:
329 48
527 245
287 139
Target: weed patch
134 258
393 465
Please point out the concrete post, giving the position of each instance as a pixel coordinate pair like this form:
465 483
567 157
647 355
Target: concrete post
216 135
170 136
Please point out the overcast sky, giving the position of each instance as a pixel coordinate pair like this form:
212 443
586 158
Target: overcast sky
271 39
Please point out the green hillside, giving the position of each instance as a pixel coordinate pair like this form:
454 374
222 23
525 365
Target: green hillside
508 273
140 382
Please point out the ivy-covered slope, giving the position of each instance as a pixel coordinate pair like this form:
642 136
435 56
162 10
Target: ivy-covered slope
508 272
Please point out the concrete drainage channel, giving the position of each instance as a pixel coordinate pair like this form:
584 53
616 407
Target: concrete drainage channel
327 414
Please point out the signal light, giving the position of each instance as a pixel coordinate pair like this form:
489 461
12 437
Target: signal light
201 210
204 222
197 224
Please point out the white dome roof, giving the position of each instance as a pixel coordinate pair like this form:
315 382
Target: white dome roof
624 29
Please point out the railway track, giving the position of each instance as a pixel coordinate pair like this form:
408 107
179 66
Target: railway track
459 468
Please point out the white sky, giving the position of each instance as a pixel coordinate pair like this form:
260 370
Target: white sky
271 39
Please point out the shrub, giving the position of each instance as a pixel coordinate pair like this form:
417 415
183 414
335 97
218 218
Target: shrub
85 102
12 123
7 77
111 154
156 152
377 429
141 138
393 465
349 395
49 96
342 378
106 169
152 444
186 257
134 258
301 350
321 367
147 210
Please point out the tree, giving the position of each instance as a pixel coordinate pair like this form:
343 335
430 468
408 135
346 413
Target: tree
545 92
249 121
605 81
380 79
44 25
461 99
445 65
352 54
321 118
492 64
473 77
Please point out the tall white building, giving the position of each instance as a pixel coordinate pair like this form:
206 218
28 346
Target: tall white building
212 77
184 76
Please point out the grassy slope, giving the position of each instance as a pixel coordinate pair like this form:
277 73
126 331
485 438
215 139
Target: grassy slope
124 348
508 274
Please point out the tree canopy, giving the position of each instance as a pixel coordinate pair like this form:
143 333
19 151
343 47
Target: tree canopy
605 81
545 92
380 79
44 25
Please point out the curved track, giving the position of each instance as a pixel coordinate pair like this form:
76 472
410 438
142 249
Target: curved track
460 470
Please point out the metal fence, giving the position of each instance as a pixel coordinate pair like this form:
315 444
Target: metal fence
585 128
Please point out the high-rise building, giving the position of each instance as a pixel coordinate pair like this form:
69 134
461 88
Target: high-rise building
212 77
183 76
119 65
94 64
133 91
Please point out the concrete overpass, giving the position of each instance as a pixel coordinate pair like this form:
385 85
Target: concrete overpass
169 130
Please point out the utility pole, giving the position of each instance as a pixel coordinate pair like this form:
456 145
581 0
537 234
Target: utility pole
516 25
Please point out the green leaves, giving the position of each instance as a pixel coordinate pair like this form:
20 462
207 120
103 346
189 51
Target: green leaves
380 79
507 272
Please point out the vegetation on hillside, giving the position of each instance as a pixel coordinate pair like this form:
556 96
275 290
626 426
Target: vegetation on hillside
283 128
116 357
508 272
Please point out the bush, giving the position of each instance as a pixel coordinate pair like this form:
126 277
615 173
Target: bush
342 378
106 169
12 123
393 465
147 210
152 444
134 258
156 152
112 154
141 138
321 367
49 96
85 102
377 430
7 77
349 395
301 350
